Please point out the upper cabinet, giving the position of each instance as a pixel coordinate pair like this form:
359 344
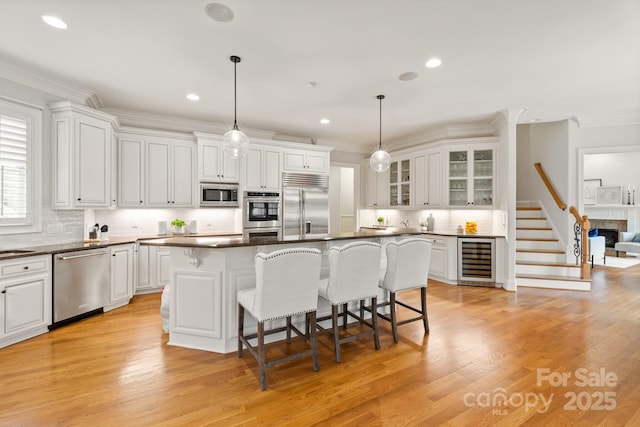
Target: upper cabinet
377 187
471 176
82 155
155 170
299 160
213 164
400 182
262 168
170 174
427 179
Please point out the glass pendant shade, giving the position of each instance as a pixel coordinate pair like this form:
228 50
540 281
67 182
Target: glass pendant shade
236 143
380 161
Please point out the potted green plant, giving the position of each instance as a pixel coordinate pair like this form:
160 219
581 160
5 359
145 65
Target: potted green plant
380 220
177 226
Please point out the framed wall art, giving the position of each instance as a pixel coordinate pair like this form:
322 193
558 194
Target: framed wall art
589 191
609 195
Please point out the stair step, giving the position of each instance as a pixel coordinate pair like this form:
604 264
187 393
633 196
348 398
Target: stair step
529 213
528 208
558 269
531 223
542 256
536 239
540 244
553 282
534 232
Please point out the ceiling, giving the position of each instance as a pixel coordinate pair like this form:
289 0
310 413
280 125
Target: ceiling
559 59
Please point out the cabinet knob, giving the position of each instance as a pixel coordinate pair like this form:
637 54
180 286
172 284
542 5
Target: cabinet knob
79 199
4 291
113 254
140 201
26 267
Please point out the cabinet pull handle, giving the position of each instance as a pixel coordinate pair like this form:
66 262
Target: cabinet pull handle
26 267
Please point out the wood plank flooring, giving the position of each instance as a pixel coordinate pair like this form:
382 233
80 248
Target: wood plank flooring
486 345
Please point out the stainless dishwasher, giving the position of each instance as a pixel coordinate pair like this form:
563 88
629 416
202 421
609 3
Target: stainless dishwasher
80 284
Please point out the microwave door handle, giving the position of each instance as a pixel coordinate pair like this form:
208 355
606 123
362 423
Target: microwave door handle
302 213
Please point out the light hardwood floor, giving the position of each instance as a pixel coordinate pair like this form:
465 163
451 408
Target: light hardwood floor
116 369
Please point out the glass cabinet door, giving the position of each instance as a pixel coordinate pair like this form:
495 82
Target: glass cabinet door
400 183
458 178
483 177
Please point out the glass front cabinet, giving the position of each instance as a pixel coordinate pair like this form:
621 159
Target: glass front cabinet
470 178
400 182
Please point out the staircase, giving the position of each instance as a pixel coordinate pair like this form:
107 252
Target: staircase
540 258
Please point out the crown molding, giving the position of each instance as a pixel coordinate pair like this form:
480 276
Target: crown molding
28 75
485 128
624 119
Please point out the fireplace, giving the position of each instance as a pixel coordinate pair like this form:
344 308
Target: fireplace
610 236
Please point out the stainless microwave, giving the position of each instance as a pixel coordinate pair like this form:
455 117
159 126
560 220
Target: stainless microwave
218 195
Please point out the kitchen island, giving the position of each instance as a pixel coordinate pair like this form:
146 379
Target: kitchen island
207 272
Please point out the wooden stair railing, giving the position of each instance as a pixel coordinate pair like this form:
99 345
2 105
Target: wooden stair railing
562 205
582 220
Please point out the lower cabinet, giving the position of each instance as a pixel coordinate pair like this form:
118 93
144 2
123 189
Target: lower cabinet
443 263
121 276
25 298
154 269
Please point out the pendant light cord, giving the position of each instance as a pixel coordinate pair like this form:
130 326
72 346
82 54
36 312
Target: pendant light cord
235 60
380 97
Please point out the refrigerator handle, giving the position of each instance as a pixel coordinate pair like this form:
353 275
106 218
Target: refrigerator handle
307 227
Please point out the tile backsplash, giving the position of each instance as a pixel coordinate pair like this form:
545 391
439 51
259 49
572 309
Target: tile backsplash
58 226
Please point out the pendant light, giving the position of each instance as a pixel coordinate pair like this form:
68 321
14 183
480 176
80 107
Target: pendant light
380 160
236 143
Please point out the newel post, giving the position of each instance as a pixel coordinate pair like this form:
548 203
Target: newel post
585 268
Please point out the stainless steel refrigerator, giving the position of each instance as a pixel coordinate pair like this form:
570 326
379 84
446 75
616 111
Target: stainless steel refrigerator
305 207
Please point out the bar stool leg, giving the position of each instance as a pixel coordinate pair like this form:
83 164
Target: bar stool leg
261 361
392 306
314 340
374 321
240 328
336 332
425 320
288 329
344 316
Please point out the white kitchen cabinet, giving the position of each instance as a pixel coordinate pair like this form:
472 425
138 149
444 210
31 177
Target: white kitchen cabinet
81 154
131 171
377 186
121 276
213 164
262 168
471 176
153 269
400 182
427 179
169 174
25 298
297 160
444 255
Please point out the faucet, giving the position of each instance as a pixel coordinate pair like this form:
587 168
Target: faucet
405 223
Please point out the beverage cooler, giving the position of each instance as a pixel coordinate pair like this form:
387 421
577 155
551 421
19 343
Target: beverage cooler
476 261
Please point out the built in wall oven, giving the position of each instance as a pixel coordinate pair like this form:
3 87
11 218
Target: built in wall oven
261 215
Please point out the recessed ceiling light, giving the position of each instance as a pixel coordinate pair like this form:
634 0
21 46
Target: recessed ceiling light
433 63
410 75
537 119
219 12
312 84
193 97
54 21
325 121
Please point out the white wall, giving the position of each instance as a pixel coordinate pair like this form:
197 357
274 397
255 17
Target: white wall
547 144
614 169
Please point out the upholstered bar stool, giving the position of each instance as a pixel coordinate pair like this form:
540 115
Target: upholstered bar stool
286 285
407 268
353 276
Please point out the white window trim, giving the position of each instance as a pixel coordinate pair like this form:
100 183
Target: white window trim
33 115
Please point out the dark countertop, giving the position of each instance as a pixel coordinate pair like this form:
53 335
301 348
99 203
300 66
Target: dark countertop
214 241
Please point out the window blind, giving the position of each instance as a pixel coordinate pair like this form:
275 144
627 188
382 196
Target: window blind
13 167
